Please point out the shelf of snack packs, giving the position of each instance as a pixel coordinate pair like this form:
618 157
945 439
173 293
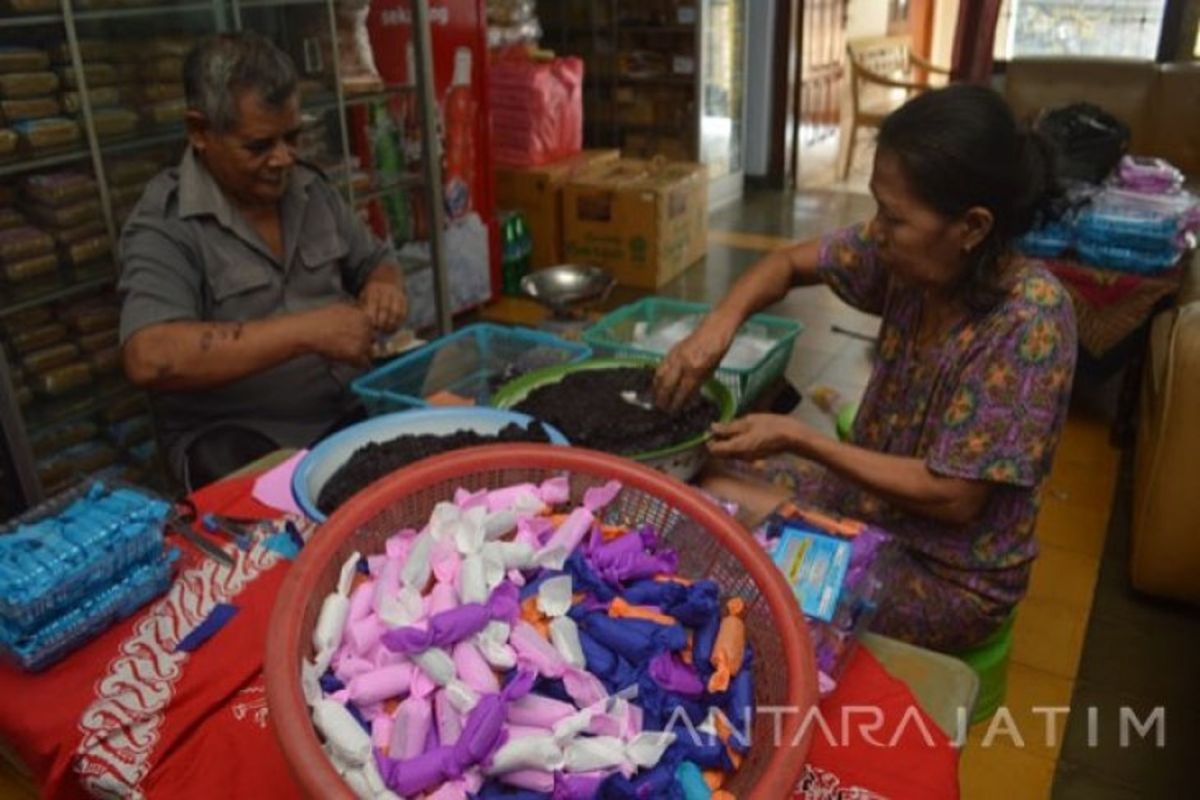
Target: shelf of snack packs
91 108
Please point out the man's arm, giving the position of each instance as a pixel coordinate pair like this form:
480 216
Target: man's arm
191 355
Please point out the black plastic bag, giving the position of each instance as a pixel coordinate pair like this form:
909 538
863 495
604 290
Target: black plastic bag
1089 140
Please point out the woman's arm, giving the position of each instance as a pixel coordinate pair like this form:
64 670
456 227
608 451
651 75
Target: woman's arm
903 481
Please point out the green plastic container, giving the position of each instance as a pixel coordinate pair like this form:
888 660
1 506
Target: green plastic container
615 334
989 660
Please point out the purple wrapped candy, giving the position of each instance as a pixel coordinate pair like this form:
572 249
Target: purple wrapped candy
450 627
676 677
481 735
585 579
629 557
580 786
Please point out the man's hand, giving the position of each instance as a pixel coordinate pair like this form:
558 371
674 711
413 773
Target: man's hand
341 332
383 300
760 435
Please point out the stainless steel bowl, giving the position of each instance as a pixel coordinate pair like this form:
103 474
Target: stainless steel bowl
558 288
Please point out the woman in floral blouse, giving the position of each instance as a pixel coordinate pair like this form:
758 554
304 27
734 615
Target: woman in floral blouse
972 376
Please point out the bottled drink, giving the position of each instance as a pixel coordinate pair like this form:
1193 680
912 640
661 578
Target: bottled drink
516 251
458 112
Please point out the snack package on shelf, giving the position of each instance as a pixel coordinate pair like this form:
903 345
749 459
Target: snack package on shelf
66 216
837 569
15 85
105 362
25 242
30 269
87 250
49 358
90 50
47 133
111 122
29 108
157 92
66 237
97 73
164 112
63 380
125 171
8 142
29 340
91 316
100 340
101 97
18 58
56 189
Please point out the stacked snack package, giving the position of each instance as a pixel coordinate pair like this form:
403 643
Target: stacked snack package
31 114
537 108
76 565
836 568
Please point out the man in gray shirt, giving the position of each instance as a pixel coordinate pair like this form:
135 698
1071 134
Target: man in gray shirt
251 292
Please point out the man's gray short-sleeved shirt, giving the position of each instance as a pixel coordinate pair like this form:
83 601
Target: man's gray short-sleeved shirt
187 254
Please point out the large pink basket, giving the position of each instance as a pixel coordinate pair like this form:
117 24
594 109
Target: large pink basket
710 543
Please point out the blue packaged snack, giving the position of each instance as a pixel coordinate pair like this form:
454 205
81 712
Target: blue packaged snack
814 565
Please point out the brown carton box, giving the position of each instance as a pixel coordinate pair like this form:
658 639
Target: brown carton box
537 193
644 221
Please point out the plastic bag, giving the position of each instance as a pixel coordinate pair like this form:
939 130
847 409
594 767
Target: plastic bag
1089 140
537 109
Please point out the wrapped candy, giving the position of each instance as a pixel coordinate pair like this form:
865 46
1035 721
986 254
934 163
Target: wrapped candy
481 735
564 540
473 669
411 724
631 557
331 621
348 742
380 684
603 753
730 647
675 676
449 627
620 609
635 639
692 782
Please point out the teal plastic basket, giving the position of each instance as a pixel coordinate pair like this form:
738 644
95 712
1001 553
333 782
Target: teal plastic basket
615 335
473 363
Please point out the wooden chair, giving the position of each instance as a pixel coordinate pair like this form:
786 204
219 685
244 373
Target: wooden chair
884 72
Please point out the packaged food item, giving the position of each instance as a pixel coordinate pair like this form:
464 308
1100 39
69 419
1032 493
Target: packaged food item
100 340
126 195
30 317
114 121
8 142
68 236
30 6
19 244
98 73
164 69
86 250
103 97
30 268
170 46
42 134
164 112
30 339
49 358
58 381
91 317
157 92
106 361
125 408
59 188
10 218
24 396
65 216
14 58
30 108
51 440
27 84
89 50
125 171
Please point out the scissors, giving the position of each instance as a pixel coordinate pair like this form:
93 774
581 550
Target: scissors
181 519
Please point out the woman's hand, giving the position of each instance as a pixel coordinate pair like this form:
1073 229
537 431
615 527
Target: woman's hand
690 363
760 435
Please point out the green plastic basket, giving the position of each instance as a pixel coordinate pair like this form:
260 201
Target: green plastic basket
615 335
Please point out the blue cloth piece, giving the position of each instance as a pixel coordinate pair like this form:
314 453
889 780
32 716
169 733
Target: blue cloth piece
283 544
584 579
330 683
655 593
216 619
494 790
637 640
691 782
700 603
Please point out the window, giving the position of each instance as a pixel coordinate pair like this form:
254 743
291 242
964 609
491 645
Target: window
1116 28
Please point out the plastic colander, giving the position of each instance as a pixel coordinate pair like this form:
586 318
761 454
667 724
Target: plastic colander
711 544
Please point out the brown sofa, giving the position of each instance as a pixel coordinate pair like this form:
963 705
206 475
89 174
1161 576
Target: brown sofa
1161 104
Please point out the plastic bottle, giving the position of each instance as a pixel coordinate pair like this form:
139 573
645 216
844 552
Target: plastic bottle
458 111
516 252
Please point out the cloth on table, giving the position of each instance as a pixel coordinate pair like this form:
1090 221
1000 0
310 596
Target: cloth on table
1111 305
202 729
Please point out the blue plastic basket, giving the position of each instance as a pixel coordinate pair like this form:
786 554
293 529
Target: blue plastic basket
473 363
615 334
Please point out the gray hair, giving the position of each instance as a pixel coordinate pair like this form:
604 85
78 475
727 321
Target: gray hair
221 67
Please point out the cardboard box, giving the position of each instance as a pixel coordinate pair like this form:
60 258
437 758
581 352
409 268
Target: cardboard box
537 193
644 221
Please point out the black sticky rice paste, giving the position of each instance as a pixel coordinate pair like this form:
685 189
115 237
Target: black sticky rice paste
376 459
588 408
